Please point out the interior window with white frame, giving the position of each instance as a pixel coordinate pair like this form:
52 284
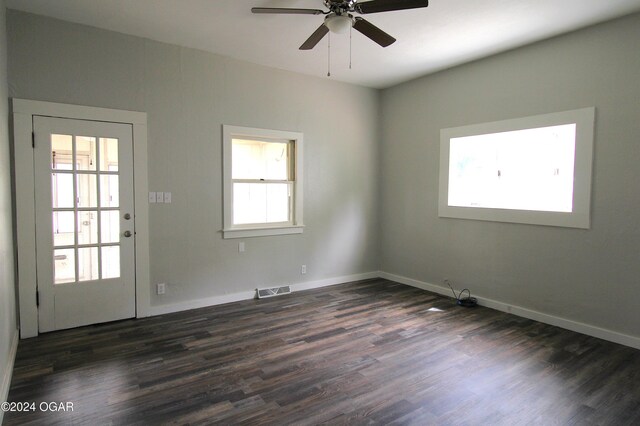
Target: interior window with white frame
533 170
262 182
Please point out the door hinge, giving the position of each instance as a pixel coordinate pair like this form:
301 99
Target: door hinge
37 298
33 139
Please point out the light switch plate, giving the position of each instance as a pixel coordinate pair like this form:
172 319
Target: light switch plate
160 197
152 197
167 198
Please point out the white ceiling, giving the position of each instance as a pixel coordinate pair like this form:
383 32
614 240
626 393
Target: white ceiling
447 33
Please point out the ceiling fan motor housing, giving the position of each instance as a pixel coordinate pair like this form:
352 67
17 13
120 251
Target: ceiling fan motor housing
340 7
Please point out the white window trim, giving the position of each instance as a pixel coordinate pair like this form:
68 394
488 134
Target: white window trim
578 218
243 231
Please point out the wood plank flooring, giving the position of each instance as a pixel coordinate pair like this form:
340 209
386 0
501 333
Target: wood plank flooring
369 352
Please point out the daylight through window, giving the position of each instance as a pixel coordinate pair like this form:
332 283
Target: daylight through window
529 170
263 182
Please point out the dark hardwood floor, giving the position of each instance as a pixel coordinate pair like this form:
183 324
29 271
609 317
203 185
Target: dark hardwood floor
370 352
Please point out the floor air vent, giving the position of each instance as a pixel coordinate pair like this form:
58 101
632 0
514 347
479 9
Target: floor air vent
273 291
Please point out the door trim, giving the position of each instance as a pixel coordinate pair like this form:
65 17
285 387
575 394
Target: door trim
23 112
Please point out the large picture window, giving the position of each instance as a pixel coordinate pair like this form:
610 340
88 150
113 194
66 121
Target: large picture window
263 182
533 170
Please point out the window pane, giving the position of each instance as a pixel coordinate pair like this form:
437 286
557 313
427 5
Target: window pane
62 190
260 203
63 229
64 266
260 160
61 152
110 226
108 155
110 262
109 195
88 264
88 227
85 153
529 169
87 190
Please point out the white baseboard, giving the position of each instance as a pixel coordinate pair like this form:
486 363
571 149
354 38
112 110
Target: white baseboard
248 295
8 370
200 303
590 330
333 281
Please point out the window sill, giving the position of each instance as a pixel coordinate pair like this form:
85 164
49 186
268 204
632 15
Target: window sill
261 232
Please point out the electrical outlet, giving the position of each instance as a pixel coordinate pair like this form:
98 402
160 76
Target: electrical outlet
160 288
241 247
303 269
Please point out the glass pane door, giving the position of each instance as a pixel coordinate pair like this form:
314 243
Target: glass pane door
85 222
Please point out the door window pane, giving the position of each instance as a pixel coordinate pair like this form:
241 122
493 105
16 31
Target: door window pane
63 228
85 153
61 152
88 227
108 155
84 179
62 190
110 226
85 213
111 262
87 190
88 264
109 194
64 266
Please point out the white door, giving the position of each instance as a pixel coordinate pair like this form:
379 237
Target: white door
85 233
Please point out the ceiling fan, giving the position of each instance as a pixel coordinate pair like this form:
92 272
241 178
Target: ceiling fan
339 17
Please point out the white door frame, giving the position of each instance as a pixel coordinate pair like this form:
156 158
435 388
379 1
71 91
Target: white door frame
23 112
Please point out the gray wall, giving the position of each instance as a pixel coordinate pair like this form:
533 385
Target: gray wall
589 276
188 95
7 283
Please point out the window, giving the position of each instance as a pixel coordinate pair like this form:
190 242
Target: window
534 170
262 182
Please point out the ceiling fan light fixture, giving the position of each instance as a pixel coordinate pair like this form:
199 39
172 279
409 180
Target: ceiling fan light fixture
338 24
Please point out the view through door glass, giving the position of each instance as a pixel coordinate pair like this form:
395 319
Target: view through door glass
85 208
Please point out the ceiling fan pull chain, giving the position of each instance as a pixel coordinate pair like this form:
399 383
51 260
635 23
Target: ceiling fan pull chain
329 57
350 42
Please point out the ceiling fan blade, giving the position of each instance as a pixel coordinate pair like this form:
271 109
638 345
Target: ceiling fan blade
376 6
373 32
286 10
315 37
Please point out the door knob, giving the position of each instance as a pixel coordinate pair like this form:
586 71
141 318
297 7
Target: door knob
127 234
127 216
